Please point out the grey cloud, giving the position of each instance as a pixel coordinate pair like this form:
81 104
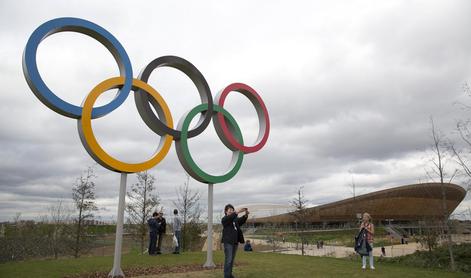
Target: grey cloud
350 90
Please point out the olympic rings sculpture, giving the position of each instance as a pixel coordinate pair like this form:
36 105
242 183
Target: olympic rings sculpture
146 98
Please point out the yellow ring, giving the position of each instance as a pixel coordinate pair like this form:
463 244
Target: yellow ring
97 152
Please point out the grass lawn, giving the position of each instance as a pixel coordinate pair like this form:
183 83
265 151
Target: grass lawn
252 265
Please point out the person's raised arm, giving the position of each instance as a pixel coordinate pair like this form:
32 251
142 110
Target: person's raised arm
244 218
228 219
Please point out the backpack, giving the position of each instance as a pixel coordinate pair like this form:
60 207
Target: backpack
362 247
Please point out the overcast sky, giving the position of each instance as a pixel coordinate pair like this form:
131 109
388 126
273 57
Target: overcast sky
350 87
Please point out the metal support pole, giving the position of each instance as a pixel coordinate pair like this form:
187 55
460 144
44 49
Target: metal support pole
116 271
209 242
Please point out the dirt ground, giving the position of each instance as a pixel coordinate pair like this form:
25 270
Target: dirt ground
192 274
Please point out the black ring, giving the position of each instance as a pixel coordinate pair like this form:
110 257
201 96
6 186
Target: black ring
143 100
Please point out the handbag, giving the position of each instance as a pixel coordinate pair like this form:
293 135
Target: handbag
361 243
175 241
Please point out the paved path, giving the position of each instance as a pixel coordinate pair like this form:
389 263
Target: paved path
338 251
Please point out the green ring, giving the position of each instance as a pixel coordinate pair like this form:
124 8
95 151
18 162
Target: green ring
184 153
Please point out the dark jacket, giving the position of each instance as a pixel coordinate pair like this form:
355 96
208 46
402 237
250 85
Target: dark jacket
162 224
362 247
154 225
248 247
231 232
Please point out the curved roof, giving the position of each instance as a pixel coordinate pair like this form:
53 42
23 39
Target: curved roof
258 210
408 202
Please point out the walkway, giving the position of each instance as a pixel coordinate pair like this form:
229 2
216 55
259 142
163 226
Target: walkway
337 251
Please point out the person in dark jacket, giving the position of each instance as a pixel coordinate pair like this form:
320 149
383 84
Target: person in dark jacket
161 232
248 246
232 235
153 232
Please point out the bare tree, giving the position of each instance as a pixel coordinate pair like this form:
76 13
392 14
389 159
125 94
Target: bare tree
188 204
83 195
142 202
439 161
461 158
274 239
464 132
300 213
429 232
57 218
16 218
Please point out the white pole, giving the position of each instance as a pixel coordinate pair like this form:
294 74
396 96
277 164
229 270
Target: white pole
209 242
116 271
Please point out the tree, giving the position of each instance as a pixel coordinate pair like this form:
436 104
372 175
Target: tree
141 204
188 205
439 161
300 213
464 130
57 218
83 195
429 233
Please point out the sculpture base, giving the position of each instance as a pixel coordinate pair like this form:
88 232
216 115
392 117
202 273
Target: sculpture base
209 264
116 272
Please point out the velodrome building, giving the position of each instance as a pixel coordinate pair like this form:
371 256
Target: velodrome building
403 204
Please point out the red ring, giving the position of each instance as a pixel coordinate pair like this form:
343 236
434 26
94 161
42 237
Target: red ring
262 112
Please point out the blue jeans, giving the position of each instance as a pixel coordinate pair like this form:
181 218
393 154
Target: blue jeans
152 242
178 235
370 255
230 251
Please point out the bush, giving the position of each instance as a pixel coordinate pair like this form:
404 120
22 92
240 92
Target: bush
29 239
439 258
191 237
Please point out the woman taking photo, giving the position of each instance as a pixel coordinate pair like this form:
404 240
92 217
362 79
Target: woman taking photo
232 235
370 231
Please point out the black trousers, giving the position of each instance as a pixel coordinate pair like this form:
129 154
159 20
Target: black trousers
159 244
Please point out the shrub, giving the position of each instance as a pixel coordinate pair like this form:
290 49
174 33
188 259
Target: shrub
439 258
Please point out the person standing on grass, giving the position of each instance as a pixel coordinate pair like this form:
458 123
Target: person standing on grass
162 229
370 231
177 230
153 232
232 235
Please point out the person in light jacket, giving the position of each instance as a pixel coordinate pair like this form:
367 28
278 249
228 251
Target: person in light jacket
177 231
232 235
370 232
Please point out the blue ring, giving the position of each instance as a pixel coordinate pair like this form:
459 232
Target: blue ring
42 91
